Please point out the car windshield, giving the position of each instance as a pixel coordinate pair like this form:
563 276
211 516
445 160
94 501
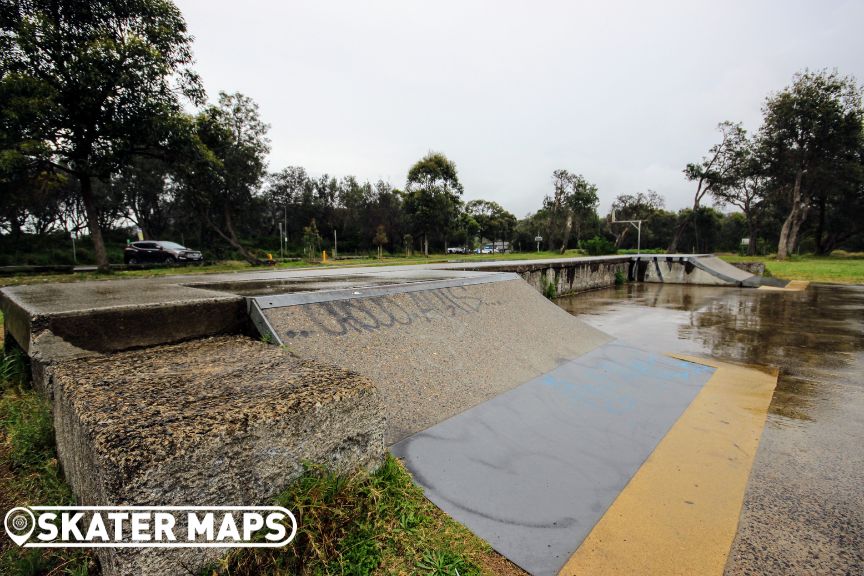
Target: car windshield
172 246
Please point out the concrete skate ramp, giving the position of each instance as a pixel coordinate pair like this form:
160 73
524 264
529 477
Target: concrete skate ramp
433 349
534 469
722 269
700 269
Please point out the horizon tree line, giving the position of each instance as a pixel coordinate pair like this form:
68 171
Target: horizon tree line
108 142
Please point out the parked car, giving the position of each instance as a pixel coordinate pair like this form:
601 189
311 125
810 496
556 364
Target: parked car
458 250
487 249
160 252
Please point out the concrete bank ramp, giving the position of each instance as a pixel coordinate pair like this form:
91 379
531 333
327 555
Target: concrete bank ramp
702 269
434 349
533 470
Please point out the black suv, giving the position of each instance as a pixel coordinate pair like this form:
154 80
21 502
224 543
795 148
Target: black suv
161 252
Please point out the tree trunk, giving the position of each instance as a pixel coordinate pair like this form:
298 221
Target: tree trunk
679 231
619 239
425 245
783 242
796 227
786 236
93 223
830 243
785 231
231 237
568 226
753 232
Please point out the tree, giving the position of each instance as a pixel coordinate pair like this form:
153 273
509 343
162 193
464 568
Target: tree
433 197
745 188
311 240
228 166
639 206
96 82
573 199
380 238
811 140
491 220
711 173
145 187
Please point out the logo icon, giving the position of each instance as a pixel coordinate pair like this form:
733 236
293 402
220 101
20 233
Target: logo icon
19 523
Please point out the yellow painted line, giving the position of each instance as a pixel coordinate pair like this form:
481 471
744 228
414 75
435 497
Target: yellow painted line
792 286
679 513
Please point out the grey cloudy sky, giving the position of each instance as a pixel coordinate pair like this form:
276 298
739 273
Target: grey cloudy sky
625 93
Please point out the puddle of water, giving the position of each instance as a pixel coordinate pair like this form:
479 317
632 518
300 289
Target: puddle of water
814 337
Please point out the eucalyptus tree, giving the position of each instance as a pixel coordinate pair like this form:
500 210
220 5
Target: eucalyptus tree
88 85
811 143
433 197
573 200
712 172
746 188
227 167
492 219
639 206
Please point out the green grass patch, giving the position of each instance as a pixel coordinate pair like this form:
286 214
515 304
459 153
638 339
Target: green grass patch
29 473
839 268
359 524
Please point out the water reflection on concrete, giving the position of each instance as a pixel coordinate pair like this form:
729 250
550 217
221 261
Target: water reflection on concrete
813 336
804 509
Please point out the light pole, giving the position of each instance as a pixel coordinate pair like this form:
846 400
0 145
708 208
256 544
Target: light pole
281 242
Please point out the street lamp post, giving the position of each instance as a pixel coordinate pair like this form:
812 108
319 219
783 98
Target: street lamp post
281 242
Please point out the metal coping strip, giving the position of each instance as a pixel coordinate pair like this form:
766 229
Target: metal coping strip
259 319
298 299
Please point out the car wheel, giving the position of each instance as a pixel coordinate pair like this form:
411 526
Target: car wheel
170 261
132 261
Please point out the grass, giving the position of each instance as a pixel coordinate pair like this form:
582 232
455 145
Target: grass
839 268
29 473
363 524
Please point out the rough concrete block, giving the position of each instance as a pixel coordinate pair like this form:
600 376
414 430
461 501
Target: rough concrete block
221 421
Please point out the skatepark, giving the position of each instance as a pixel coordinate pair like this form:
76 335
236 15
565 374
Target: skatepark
568 449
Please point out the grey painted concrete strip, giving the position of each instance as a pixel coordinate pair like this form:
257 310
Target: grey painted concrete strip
301 298
532 470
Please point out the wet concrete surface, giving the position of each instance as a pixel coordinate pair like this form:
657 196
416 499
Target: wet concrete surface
804 508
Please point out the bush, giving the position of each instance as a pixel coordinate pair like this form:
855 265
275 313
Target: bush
599 246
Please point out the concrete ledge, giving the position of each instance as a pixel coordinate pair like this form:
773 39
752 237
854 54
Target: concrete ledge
62 321
220 421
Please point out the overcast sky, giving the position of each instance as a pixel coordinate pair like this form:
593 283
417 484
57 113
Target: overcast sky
625 93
